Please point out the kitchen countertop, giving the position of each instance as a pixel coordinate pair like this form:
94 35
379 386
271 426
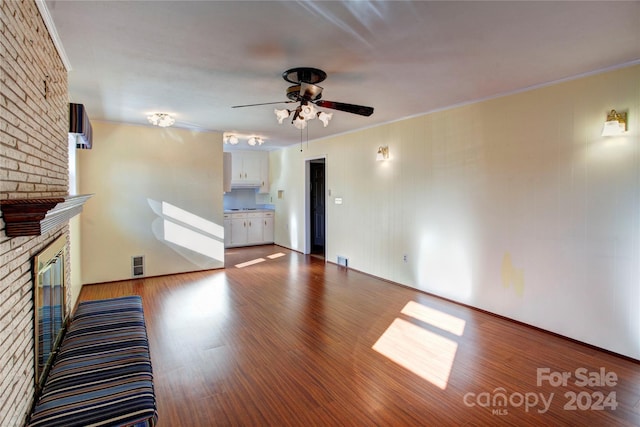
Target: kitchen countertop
230 211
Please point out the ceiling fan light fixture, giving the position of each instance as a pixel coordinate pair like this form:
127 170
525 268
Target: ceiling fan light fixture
282 114
299 122
325 117
307 93
161 119
307 112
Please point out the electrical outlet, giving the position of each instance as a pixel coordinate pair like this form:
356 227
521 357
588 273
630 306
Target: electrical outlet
405 258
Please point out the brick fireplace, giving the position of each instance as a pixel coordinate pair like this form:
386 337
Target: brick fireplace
34 152
50 312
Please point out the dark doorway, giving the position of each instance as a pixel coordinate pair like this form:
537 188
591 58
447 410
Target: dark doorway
317 202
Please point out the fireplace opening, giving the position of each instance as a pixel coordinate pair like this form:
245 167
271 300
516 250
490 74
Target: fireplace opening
50 306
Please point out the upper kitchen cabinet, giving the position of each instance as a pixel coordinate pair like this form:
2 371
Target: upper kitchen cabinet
250 169
264 173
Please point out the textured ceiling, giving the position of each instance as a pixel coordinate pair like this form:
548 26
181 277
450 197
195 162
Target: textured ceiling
404 58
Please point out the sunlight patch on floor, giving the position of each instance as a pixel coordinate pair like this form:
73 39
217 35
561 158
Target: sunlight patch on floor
248 263
434 317
428 354
277 255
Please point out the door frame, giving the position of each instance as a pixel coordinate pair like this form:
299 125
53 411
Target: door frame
307 204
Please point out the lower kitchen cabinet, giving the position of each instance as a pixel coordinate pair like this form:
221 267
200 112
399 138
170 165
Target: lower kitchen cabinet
238 233
268 230
227 230
254 228
248 228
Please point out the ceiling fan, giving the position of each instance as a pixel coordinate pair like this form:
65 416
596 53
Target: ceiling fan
307 93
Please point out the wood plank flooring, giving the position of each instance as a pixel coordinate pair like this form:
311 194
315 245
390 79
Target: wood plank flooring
292 341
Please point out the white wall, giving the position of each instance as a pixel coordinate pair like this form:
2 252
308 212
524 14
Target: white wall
158 193
514 205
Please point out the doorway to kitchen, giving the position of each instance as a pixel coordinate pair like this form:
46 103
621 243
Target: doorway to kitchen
315 207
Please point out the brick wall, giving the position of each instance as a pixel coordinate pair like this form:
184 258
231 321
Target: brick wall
33 162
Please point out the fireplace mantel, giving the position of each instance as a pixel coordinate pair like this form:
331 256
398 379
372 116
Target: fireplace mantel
33 217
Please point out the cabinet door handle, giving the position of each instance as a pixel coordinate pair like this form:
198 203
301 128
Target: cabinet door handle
245 223
249 223
240 176
265 222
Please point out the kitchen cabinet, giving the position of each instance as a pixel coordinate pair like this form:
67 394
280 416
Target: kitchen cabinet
254 228
238 235
264 174
245 168
227 230
250 169
268 230
248 228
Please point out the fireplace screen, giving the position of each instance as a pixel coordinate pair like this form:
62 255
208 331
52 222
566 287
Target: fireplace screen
50 312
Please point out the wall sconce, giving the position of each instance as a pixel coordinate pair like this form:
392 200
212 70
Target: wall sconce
383 153
616 124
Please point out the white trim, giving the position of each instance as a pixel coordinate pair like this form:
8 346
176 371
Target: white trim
307 203
53 32
485 98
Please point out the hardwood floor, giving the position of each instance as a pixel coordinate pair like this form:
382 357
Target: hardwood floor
292 341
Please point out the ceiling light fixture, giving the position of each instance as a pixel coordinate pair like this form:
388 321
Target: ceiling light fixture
161 119
255 140
231 139
616 124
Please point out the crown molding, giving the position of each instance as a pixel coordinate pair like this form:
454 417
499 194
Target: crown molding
53 32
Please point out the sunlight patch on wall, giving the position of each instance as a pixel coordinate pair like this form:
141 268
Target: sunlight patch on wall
194 221
444 267
428 354
293 231
195 238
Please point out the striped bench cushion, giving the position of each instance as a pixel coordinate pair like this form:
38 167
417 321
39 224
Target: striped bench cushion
102 374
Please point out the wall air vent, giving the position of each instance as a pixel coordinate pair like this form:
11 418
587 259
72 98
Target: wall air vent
343 261
137 266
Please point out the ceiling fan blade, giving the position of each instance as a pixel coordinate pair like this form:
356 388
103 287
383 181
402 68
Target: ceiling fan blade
349 108
262 103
